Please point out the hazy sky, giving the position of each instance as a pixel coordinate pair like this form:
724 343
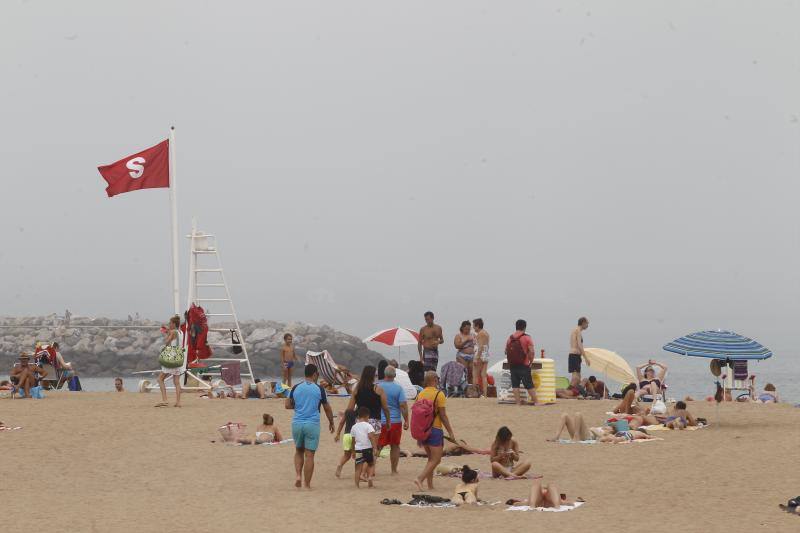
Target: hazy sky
362 162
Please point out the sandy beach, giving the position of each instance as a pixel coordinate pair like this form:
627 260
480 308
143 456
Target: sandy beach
111 462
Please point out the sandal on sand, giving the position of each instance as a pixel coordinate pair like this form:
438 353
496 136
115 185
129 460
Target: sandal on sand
161 404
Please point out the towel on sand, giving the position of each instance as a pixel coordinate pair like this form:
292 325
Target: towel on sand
488 475
566 441
546 509
284 441
661 427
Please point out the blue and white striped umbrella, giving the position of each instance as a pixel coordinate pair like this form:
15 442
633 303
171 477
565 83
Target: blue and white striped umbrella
718 345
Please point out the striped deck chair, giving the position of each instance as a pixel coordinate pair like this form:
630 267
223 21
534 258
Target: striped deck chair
739 379
328 369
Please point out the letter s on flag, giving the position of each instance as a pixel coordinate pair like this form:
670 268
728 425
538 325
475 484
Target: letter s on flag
148 169
136 167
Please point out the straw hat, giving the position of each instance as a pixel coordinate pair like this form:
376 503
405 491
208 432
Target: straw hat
716 368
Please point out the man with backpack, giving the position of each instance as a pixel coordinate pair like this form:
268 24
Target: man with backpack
428 416
520 353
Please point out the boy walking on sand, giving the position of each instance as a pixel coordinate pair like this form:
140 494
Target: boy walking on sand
366 443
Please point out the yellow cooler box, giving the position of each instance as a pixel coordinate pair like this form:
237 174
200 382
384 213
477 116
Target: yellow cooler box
544 380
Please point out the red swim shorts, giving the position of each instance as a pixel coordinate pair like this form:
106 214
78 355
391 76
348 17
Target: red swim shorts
390 435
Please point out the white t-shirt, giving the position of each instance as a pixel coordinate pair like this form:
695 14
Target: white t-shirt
360 432
402 379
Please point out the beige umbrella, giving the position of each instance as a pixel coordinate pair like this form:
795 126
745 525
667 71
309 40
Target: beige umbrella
610 364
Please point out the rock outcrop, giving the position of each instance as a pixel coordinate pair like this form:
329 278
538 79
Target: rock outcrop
109 347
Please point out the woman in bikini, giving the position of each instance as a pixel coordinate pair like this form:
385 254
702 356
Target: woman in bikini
467 490
464 342
542 496
504 456
267 431
648 382
480 362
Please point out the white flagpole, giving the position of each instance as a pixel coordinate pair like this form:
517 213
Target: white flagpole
173 192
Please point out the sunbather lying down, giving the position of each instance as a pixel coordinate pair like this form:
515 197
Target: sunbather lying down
455 449
579 431
542 496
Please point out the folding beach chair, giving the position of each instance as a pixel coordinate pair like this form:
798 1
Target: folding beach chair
649 397
328 369
738 379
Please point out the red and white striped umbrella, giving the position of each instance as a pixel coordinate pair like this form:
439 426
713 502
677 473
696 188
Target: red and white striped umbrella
395 337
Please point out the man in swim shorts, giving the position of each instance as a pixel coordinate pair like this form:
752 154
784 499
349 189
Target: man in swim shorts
306 398
430 337
576 354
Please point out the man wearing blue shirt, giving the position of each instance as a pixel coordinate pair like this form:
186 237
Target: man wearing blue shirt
392 430
306 398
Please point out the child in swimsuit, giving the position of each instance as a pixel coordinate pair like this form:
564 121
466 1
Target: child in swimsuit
346 421
467 490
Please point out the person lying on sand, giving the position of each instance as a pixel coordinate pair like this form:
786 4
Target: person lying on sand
575 426
504 456
455 449
543 497
466 492
620 436
259 389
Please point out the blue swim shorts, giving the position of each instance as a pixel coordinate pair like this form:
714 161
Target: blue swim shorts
306 436
436 438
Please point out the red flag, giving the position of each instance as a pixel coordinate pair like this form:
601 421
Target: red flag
149 169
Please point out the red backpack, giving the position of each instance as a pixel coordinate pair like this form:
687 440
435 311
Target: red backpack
516 352
423 414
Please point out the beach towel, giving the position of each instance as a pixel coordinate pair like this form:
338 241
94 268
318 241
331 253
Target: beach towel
661 427
7 428
561 509
284 441
230 373
566 441
488 475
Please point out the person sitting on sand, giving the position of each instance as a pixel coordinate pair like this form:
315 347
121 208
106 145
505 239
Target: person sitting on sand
505 456
466 492
25 375
595 388
770 394
649 383
680 417
543 497
267 431
628 404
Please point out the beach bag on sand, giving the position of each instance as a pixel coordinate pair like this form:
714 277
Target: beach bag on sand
74 384
171 357
423 413
515 352
658 407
